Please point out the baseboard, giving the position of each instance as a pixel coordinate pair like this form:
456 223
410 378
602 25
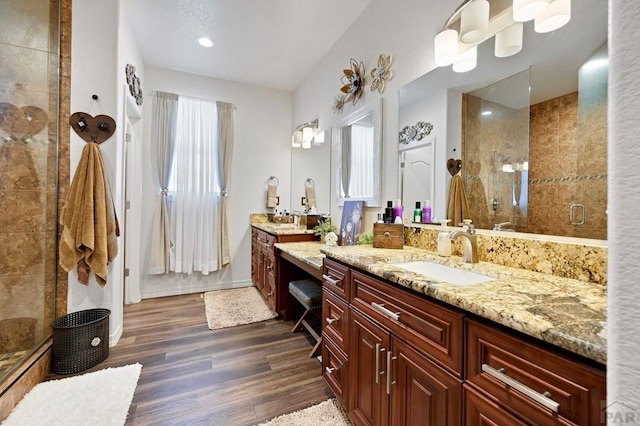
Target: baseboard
115 336
196 289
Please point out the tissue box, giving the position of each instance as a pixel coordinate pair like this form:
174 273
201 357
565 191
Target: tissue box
310 220
388 235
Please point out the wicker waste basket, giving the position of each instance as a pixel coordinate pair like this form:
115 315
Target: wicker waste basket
80 340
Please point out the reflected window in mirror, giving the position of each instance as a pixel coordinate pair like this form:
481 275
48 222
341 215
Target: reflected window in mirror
357 148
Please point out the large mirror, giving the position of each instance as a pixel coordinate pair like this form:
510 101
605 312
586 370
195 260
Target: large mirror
311 176
356 155
539 175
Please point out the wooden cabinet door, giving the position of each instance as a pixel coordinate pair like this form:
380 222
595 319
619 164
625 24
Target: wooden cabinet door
422 393
369 404
270 281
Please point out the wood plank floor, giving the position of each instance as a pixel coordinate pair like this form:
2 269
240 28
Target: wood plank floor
195 376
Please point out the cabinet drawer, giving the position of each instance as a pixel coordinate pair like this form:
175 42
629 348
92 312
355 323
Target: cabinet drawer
335 277
335 371
335 319
515 371
434 329
481 411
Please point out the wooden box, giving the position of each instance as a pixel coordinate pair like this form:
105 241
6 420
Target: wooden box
310 220
388 235
283 219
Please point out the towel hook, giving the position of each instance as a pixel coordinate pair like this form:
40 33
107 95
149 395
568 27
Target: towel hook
273 178
310 183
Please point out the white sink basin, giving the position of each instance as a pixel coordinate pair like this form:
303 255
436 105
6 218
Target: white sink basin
444 273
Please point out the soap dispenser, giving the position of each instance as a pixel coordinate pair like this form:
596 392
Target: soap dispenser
417 213
444 242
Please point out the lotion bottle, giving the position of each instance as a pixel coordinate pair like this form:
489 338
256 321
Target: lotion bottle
426 212
444 243
417 213
398 212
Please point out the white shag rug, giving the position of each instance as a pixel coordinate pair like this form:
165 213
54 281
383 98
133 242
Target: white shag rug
327 413
100 398
236 306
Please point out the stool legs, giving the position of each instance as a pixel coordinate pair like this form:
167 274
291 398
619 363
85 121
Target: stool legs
302 322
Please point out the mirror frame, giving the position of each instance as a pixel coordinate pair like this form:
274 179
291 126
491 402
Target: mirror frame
374 109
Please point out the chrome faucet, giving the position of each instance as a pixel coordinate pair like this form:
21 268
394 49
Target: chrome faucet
470 243
501 226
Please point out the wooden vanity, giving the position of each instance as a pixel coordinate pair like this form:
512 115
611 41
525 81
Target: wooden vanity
395 355
266 272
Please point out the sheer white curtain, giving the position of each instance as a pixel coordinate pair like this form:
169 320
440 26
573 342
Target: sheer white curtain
362 161
195 187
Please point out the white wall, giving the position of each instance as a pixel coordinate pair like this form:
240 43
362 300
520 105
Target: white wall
262 148
623 339
100 48
401 28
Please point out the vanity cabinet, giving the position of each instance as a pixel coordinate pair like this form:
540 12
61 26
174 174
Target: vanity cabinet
406 359
264 267
386 379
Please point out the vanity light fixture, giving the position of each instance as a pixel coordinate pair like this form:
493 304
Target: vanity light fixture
307 134
475 21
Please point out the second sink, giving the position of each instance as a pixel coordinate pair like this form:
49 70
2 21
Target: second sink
444 273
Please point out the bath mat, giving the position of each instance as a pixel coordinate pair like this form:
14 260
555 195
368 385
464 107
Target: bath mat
236 306
100 398
327 413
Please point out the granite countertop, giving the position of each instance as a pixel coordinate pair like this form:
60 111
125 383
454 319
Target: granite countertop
282 228
307 251
567 313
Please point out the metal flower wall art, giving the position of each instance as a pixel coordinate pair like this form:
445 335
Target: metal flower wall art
353 82
382 73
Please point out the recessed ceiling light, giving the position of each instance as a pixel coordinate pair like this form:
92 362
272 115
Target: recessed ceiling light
204 41
487 112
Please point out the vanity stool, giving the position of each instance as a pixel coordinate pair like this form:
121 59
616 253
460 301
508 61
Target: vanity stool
309 294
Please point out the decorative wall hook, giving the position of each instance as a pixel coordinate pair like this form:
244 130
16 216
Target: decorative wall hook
92 129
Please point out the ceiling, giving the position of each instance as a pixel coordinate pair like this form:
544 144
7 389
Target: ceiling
269 43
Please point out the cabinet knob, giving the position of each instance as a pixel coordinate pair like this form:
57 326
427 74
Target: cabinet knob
329 370
330 320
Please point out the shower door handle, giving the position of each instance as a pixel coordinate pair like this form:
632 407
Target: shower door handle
572 215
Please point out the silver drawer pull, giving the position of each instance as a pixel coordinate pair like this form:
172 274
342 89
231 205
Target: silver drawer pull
330 320
536 396
329 370
330 280
384 311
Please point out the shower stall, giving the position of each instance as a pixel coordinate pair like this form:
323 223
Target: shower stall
29 146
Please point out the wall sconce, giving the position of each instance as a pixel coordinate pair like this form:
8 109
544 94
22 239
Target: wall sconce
478 20
306 135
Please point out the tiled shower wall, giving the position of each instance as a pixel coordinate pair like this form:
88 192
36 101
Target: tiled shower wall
28 171
35 47
489 142
567 165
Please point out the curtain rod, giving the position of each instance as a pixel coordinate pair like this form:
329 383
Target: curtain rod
195 97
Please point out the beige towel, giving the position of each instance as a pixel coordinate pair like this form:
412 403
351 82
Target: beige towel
310 193
458 205
89 223
272 196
